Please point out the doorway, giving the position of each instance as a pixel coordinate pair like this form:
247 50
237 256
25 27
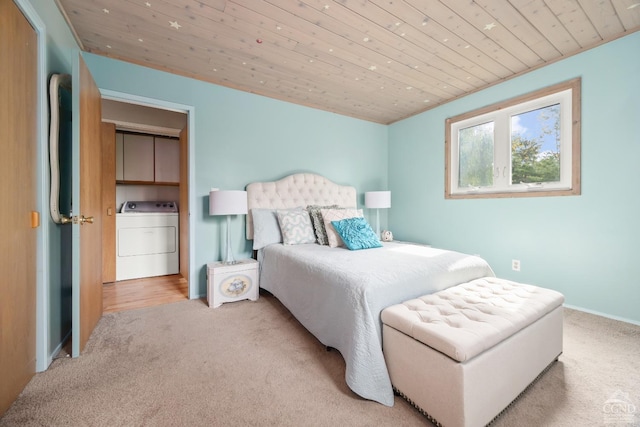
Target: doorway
140 124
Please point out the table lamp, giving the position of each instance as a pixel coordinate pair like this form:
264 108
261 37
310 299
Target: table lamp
377 200
228 202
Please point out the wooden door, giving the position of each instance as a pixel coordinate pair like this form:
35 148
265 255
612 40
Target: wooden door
18 166
184 204
87 194
108 202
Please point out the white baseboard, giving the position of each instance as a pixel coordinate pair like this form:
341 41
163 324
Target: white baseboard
597 313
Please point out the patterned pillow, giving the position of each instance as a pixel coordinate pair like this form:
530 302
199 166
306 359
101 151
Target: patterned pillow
295 227
329 215
318 223
356 233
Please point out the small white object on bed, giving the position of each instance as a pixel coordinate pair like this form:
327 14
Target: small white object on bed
338 294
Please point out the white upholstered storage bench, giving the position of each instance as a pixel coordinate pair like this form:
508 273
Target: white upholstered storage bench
462 355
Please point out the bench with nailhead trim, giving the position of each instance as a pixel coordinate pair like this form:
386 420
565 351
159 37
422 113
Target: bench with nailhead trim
464 354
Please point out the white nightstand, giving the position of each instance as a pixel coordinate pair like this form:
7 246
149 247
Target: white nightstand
234 282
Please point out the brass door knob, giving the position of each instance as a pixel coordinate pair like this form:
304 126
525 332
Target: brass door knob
83 219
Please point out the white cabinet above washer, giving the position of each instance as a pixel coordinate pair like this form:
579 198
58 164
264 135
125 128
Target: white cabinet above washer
146 159
167 160
138 157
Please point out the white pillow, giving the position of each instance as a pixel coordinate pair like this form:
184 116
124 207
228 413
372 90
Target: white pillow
266 229
296 227
329 215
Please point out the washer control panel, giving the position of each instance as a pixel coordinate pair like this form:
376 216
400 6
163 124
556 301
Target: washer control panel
147 206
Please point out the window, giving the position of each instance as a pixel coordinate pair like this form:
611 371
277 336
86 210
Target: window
524 147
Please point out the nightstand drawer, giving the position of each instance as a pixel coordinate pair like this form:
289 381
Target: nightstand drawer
232 282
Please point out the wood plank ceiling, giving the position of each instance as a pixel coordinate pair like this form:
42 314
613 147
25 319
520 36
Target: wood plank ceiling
378 60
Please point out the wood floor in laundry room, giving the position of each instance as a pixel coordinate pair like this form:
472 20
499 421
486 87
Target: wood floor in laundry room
145 292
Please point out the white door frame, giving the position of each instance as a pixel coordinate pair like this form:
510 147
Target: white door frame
190 111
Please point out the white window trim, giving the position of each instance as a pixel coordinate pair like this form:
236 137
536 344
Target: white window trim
566 94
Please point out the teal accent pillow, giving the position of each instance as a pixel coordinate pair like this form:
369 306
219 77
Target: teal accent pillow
356 233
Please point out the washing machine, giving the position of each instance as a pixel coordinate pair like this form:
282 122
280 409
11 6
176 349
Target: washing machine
147 239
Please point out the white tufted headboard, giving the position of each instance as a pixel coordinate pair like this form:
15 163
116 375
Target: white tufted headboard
295 190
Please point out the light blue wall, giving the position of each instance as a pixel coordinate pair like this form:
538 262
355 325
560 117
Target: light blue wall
241 138
584 246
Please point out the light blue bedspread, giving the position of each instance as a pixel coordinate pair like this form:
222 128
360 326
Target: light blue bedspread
338 295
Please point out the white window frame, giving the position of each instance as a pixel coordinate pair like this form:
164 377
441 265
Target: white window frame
566 94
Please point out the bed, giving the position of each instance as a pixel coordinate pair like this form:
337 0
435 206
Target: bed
338 294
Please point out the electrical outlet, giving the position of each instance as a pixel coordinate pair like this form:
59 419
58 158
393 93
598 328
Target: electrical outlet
515 264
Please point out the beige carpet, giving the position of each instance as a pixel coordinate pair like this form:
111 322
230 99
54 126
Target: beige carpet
252 364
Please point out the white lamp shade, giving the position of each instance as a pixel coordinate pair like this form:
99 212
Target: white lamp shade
377 199
230 202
